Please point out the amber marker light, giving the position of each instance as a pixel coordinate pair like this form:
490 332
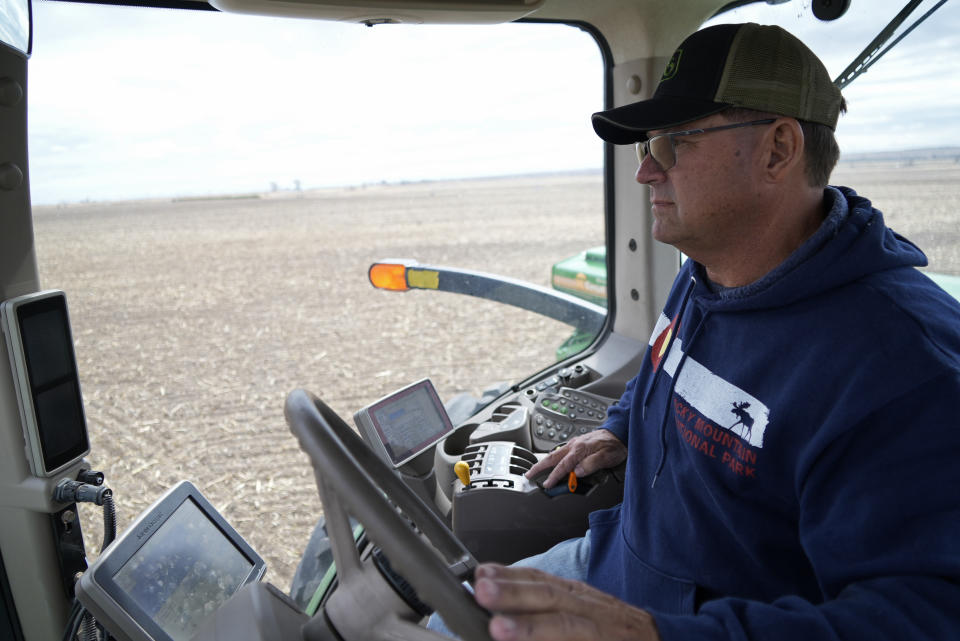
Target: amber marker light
392 276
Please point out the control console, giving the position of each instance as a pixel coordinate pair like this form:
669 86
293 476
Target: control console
562 414
502 516
560 411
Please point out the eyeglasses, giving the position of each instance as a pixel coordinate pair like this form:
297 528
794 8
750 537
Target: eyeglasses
664 150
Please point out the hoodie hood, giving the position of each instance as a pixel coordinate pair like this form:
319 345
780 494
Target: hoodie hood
853 242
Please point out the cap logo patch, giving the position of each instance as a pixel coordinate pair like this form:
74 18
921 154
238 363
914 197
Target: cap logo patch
672 66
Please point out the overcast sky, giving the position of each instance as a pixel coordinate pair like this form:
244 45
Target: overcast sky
130 103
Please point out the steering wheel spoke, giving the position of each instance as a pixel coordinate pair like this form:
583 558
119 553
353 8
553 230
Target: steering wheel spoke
339 530
352 480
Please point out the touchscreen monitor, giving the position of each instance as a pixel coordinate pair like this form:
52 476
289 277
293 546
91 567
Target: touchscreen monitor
406 423
44 367
175 566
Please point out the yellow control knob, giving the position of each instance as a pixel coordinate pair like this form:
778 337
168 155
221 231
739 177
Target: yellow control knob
462 470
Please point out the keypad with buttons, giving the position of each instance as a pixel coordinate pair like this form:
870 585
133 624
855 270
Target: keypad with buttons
560 414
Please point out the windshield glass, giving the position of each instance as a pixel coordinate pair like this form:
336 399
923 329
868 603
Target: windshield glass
899 140
211 189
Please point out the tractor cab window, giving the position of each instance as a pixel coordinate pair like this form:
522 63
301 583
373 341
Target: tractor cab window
899 140
211 191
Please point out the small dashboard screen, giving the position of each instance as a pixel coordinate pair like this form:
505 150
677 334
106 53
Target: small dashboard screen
184 572
55 388
410 421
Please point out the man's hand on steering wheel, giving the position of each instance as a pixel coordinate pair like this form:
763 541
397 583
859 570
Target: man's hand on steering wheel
582 455
530 605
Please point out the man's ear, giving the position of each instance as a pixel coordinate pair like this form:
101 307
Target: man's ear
783 144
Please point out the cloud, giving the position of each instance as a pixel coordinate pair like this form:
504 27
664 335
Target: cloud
132 102
128 103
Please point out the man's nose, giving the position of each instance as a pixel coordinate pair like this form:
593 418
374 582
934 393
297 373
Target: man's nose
649 171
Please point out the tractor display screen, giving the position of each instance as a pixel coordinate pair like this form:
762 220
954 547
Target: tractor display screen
406 423
44 367
173 568
184 571
54 383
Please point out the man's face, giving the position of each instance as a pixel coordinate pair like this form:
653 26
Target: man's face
705 203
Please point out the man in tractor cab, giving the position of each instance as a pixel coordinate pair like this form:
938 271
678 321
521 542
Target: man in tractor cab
791 439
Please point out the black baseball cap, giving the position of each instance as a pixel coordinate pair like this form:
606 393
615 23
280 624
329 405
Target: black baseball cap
748 65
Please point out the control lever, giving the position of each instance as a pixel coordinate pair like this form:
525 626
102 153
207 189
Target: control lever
501 501
462 470
573 486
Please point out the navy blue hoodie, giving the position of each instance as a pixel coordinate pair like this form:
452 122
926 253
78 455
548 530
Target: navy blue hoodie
794 450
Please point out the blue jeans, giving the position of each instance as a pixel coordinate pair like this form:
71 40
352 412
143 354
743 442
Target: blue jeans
567 560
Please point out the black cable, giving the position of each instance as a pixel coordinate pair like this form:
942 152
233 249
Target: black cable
109 521
88 490
89 628
73 621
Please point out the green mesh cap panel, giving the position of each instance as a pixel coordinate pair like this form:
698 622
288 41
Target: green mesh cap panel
768 69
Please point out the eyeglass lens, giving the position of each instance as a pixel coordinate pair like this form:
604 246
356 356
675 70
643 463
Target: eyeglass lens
661 148
663 151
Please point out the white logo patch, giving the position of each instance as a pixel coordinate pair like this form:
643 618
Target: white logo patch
723 403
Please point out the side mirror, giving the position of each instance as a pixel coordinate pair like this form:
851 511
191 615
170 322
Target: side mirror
15 23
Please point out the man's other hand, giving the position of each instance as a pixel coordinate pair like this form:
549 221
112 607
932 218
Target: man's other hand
530 605
582 455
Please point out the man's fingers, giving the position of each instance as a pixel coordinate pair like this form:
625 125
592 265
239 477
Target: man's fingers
611 455
603 450
562 469
528 590
562 460
634 625
554 626
530 605
584 455
546 462
516 573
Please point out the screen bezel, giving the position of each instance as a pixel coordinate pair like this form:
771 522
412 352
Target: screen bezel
147 525
400 458
17 314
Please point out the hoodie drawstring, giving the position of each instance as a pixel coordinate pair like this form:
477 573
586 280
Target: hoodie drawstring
666 352
673 383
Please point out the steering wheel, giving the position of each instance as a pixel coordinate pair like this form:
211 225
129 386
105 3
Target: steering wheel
351 479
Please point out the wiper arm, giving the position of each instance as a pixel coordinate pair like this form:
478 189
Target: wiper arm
873 51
